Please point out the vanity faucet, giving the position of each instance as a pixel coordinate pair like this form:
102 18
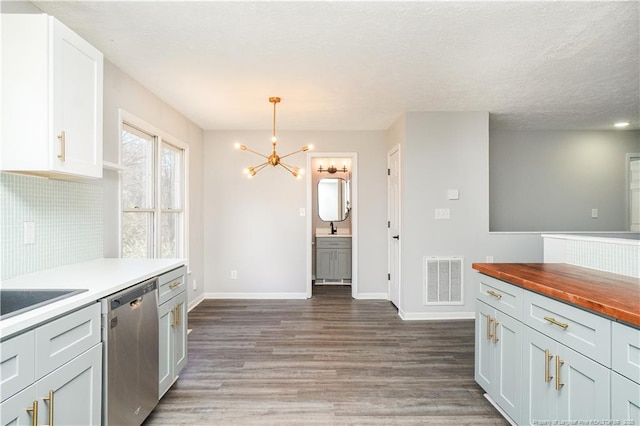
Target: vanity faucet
333 230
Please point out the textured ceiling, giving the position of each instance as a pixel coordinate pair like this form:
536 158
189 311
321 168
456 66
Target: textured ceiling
359 65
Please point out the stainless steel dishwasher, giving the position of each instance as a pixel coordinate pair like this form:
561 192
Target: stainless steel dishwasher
130 337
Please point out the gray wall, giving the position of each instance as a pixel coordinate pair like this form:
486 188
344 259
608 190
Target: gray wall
441 151
121 91
254 227
550 180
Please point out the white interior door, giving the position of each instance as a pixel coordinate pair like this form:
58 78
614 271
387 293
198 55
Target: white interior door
634 194
393 188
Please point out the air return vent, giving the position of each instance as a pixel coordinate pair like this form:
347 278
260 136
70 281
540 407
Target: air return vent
443 280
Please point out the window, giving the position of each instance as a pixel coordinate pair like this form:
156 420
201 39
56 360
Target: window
153 187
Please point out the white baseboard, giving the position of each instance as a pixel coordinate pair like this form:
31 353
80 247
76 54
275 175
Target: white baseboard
373 296
195 302
255 295
435 316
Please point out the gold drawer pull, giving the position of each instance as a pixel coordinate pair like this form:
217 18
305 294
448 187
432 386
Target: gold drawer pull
558 364
547 358
50 399
34 413
494 294
495 331
63 148
174 284
556 322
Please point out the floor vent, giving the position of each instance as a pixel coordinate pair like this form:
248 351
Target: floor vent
443 280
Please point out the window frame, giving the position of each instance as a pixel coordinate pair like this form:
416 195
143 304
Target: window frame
160 138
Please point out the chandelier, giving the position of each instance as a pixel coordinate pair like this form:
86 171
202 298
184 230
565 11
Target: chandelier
274 159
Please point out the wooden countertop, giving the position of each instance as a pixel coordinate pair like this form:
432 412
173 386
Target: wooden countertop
612 295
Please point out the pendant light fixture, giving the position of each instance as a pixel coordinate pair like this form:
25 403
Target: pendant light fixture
274 159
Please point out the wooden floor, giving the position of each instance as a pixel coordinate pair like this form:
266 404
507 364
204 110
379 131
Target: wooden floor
326 360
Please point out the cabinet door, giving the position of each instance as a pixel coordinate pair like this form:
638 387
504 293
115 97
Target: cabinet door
166 315
586 391
76 388
342 264
484 348
507 390
539 401
625 400
324 263
15 410
77 78
180 334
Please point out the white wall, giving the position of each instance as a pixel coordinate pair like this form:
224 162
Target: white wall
254 227
121 91
441 151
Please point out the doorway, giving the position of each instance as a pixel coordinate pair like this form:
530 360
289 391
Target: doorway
633 191
314 227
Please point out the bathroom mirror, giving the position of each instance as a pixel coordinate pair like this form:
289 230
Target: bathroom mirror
333 199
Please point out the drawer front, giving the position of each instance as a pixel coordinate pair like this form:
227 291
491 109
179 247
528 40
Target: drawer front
580 330
171 283
625 351
333 242
500 295
65 338
17 364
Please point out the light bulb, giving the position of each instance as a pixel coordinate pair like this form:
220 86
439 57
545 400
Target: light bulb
622 124
274 139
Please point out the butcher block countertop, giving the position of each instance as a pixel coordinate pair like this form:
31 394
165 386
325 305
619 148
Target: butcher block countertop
612 295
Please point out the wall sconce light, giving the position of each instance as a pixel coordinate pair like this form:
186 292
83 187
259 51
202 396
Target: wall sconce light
274 159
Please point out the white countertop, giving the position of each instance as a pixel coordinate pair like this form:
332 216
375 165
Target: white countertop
101 277
332 236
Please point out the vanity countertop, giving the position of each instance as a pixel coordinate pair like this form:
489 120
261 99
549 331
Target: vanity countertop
327 235
612 295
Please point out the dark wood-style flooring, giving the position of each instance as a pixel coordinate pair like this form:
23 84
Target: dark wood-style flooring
329 360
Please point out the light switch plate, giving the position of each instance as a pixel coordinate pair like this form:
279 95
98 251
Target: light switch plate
303 211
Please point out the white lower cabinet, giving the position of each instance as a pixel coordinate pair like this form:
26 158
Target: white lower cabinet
63 390
560 383
625 400
498 361
173 340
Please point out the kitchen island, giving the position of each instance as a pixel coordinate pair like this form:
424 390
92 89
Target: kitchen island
558 342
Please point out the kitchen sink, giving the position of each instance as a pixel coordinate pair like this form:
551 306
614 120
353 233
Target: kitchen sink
14 302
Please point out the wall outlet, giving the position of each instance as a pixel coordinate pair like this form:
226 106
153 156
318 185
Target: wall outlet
443 214
29 232
594 213
195 284
489 259
234 275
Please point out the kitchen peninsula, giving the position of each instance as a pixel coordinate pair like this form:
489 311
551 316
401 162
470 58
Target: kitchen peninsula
558 341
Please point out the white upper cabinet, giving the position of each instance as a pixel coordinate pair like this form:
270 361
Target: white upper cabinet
52 83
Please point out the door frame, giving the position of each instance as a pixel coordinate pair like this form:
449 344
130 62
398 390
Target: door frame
389 207
353 156
629 157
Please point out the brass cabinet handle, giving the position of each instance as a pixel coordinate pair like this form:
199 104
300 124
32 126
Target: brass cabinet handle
489 321
63 143
547 358
178 314
494 294
174 284
50 399
556 322
558 364
495 331
34 413
173 317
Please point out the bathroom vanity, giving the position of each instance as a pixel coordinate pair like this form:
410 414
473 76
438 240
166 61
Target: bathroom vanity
333 259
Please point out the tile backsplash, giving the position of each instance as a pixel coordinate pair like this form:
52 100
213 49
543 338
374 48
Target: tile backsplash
67 217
